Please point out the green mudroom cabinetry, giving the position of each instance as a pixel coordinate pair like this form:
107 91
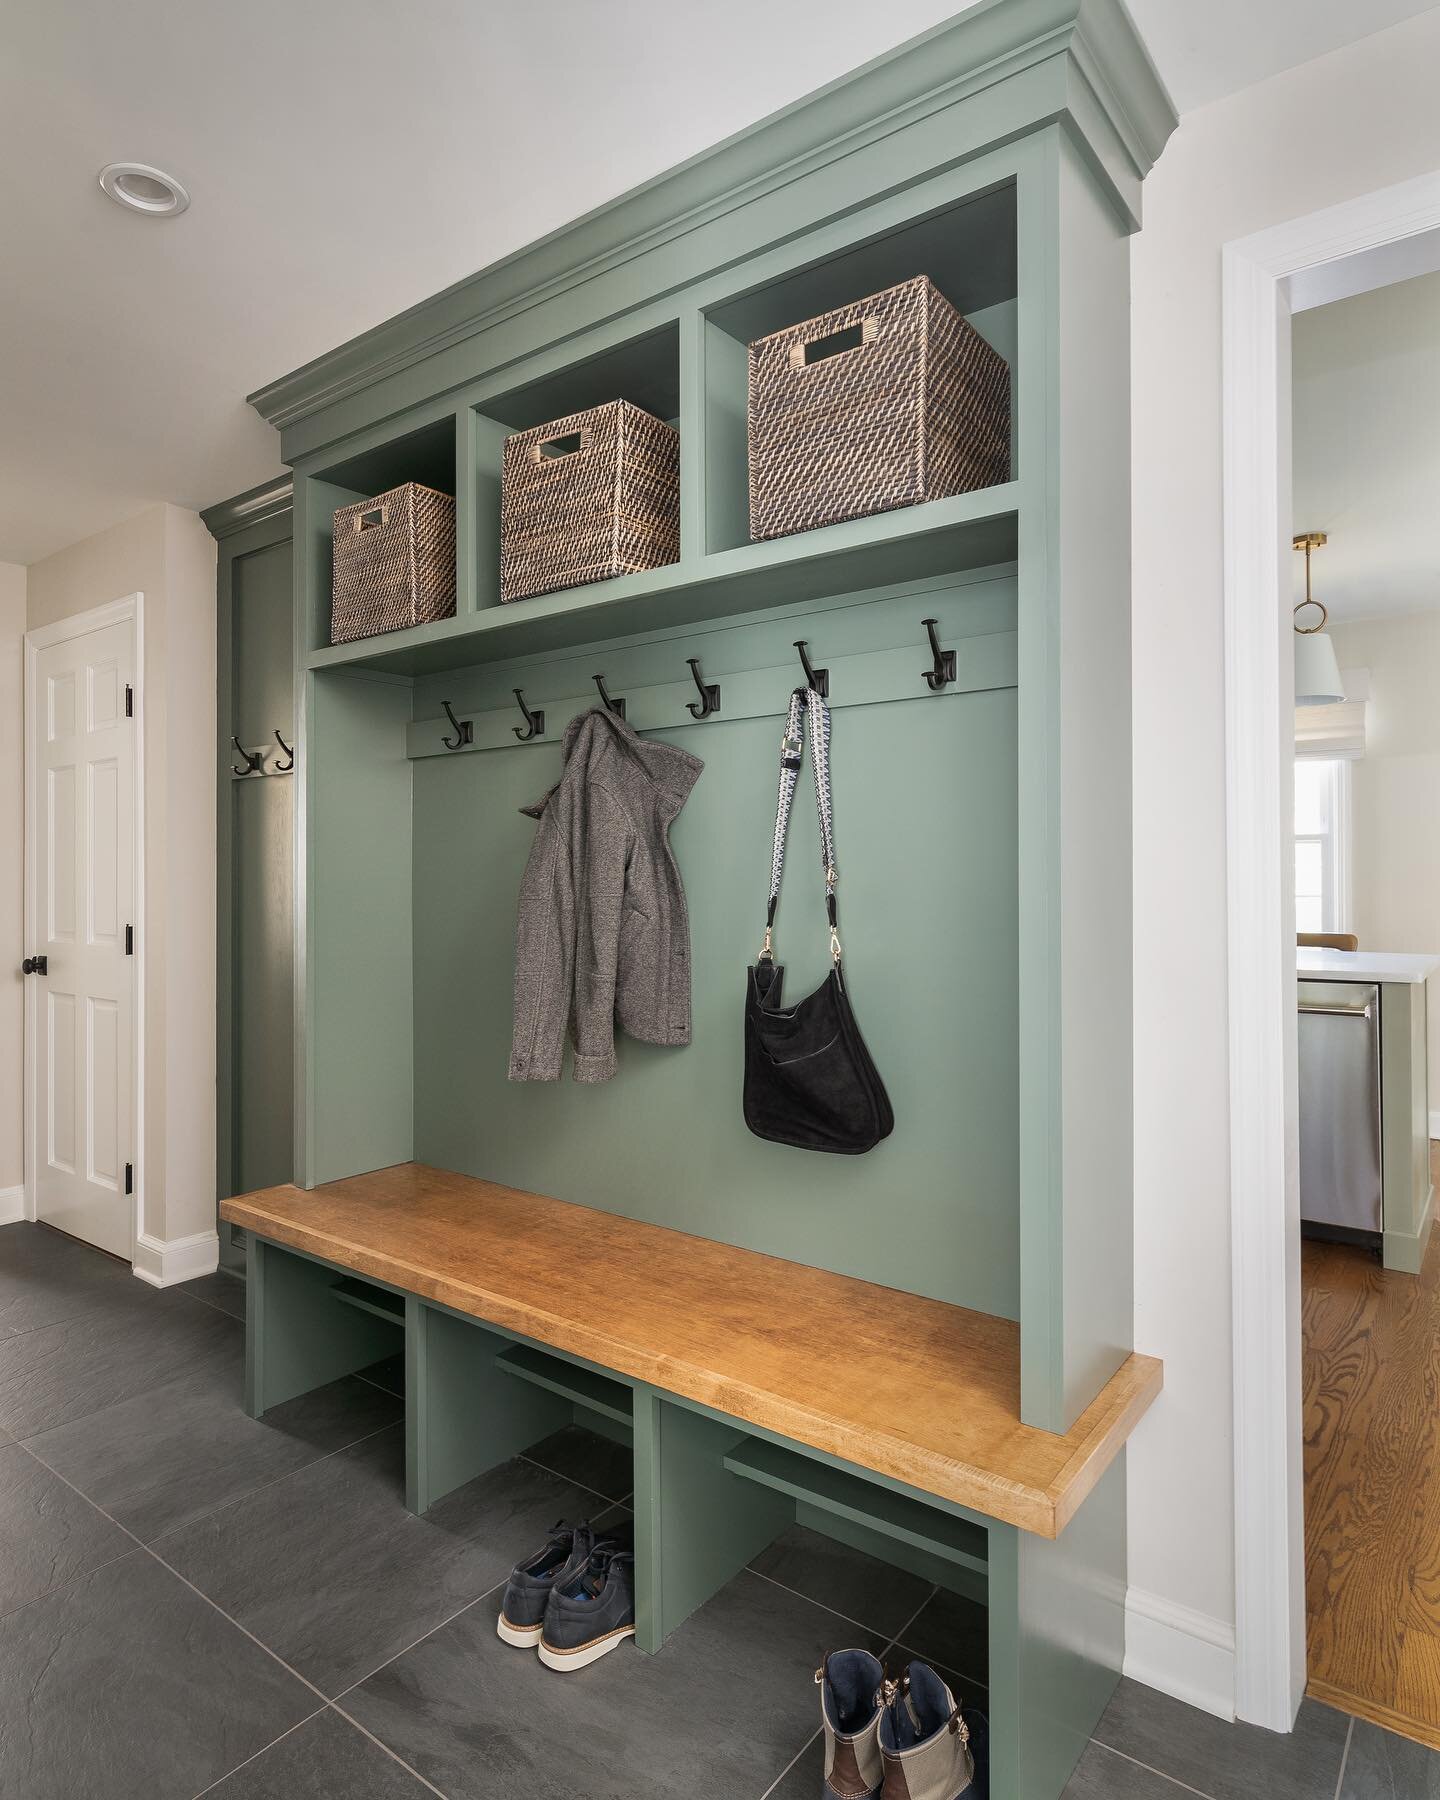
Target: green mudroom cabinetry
983 829
255 1061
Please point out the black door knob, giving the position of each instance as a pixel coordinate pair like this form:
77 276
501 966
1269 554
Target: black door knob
35 965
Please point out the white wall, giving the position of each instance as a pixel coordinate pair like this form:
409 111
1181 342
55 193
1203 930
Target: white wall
1329 131
1395 792
1367 448
166 554
12 913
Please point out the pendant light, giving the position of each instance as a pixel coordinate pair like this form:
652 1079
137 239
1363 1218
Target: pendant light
1317 671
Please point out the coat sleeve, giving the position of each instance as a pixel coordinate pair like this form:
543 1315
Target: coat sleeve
600 910
544 951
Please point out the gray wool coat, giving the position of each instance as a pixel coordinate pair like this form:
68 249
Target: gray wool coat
603 938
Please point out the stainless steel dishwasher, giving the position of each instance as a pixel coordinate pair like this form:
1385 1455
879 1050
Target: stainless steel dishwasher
1340 1166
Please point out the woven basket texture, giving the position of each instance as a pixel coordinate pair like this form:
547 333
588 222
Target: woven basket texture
394 562
586 497
914 407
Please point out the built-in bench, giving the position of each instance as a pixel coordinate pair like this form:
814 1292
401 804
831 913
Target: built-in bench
754 1391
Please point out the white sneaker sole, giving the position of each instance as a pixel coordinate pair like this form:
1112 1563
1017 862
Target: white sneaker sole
567 1661
524 1637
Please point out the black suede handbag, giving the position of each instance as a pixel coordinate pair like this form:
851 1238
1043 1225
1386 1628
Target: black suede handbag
809 1079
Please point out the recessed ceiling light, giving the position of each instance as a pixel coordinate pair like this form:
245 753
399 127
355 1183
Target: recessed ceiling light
143 189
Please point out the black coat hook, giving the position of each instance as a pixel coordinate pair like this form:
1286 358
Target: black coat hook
285 767
943 672
534 721
464 730
254 765
709 693
615 706
819 679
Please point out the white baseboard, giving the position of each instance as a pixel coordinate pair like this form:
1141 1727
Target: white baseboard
12 1206
1183 1653
164 1262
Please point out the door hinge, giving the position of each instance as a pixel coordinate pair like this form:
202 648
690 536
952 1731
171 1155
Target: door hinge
129 940
129 701
129 1178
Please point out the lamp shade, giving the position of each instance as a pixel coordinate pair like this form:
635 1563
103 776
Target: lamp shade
1317 672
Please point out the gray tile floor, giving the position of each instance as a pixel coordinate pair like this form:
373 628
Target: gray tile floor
192 1603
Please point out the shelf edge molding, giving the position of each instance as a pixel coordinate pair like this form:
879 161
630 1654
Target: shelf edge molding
1076 61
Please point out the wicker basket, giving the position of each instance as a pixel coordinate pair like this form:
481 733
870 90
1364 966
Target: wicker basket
587 497
394 562
883 403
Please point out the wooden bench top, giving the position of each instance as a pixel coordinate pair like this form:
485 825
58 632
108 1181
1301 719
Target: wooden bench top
925 1393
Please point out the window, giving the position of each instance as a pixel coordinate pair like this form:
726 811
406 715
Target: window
1322 793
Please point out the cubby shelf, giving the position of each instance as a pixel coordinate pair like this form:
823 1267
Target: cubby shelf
968 531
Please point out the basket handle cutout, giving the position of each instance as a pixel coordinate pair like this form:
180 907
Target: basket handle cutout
567 444
371 517
803 354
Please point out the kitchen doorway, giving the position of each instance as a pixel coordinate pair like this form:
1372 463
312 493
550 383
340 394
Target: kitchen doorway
1309 1401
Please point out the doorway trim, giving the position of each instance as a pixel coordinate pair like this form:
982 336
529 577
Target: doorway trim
1270 1659
114 612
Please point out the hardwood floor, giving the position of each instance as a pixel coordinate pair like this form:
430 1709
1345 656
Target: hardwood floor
1372 1484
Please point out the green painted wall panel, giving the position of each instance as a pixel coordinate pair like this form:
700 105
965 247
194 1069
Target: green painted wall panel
261 885
926 829
359 838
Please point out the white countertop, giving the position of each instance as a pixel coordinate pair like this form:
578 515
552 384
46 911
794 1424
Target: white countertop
1363 965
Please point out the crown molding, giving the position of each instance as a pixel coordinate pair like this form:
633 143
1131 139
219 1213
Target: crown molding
1101 84
256 506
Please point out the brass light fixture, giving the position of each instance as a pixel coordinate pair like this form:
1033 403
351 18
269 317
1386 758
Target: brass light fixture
1317 670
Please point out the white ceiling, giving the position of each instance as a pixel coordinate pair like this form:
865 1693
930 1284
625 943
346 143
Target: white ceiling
1367 449
347 158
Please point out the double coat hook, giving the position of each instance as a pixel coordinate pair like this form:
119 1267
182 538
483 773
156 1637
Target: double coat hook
615 706
254 760
819 679
709 692
285 767
942 673
464 730
534 721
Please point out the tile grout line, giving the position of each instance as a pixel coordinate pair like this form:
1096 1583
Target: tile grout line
260 1752
274 1481
835 1612
1344 1758
379 1745
1150 1769
791 1764
170 1569
569 1480
440 1625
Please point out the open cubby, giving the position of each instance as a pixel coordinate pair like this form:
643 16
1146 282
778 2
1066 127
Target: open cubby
425 454
968 250
644 370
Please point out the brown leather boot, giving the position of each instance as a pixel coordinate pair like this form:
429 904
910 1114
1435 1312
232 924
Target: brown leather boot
924 1742
849 1683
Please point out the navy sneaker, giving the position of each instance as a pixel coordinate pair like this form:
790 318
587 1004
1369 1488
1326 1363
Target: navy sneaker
850 1683
527 1592
592 1609
924 1741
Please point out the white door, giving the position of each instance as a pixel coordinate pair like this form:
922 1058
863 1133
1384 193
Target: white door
83 763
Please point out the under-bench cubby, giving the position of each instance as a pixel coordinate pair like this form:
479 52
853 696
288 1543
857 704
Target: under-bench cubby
967 1422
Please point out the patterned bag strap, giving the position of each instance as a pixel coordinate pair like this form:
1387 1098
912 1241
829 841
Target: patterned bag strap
810 704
